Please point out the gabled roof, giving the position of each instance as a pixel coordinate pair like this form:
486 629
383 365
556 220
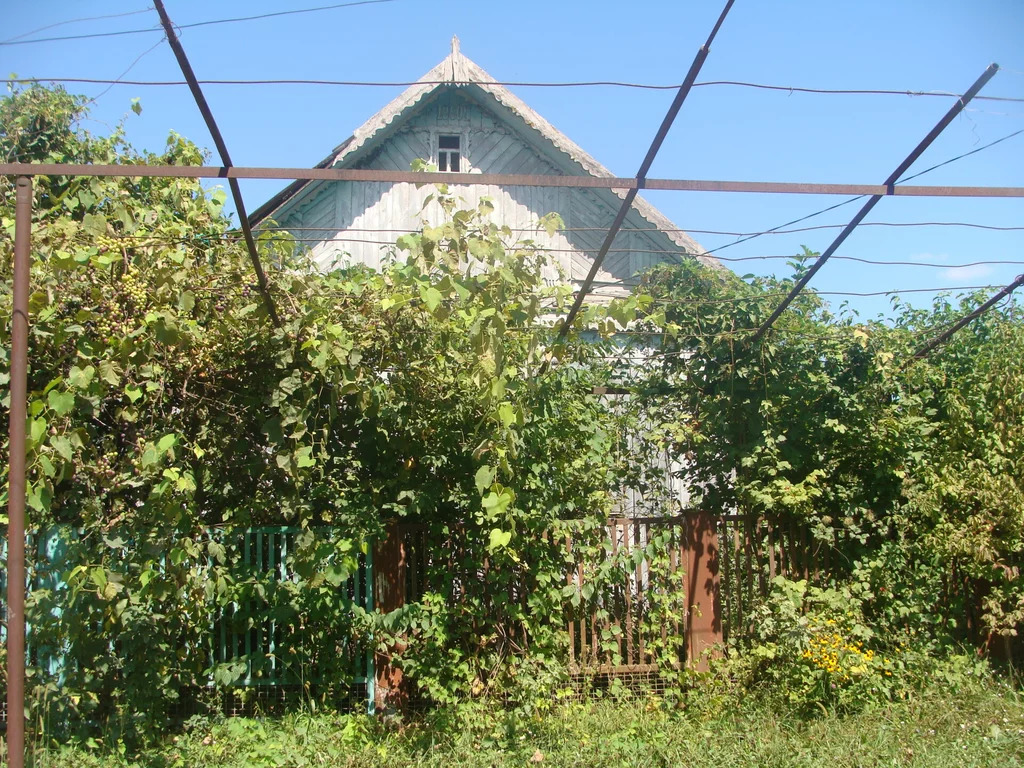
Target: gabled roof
458 70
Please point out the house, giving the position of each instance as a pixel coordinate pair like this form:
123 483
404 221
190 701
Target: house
460 119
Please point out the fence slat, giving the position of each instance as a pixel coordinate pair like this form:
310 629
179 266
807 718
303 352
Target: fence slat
630 649
641 590
616 613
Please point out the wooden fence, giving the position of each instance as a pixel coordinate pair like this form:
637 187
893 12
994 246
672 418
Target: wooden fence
754 550
679 586
676 588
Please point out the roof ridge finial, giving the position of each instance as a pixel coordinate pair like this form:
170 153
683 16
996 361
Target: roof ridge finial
455 45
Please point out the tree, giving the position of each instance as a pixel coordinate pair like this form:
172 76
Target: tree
913 471
166 413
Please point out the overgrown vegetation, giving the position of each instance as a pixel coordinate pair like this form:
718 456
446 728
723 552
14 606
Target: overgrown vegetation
913 470
979 726
167 415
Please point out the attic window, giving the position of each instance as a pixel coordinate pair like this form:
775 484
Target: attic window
448 150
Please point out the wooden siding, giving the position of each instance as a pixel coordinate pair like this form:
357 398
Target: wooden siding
346 223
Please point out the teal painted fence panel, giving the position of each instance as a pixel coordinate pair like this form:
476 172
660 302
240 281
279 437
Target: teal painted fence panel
256 644
236 637
46 555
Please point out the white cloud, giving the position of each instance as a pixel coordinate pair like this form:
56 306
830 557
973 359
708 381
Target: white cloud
961 274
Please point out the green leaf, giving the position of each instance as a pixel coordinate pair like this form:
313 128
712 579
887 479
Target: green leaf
336 575
552 223
39 498
110 373
507 414
62 446
499 539
407 242
150 456
133 393
93 224
186 483
36 429
496 504
81 377
166 442
431 297
47 466
217 551
484 478
61 402
272 429
303 457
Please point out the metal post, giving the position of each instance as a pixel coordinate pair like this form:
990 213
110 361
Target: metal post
944 337
222 148
704 633
371 668
890 185
641 175
389 564
16 479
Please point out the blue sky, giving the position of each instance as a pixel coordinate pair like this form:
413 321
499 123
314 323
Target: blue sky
722 132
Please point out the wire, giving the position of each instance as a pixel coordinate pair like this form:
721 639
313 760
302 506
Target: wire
859 197
685 352
509 83
15 41
849 91
826 331
75 21
281 13
855 294
682 230
131 66
78 37
779 257
779 231
887 263
231 238
780 226
959 157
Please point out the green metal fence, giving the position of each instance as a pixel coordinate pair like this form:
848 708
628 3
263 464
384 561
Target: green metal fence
245 637
237 637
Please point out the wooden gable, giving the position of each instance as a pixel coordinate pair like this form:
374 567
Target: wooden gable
349 222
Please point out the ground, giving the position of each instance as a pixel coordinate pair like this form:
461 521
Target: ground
981 727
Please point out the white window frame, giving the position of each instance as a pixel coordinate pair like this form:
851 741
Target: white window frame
462 150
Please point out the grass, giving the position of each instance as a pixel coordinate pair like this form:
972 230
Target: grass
981 727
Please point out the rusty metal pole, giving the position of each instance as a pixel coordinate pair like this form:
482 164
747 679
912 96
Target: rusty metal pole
222 148
389 567
16 480
641 174
944 337
890 185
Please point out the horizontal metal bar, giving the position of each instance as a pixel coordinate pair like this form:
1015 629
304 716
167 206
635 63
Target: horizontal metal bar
500 179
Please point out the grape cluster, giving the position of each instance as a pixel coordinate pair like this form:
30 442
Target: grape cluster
105 464
106 243
119 315
107 324
133 289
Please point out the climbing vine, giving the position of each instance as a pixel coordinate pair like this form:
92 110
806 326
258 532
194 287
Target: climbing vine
167 415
